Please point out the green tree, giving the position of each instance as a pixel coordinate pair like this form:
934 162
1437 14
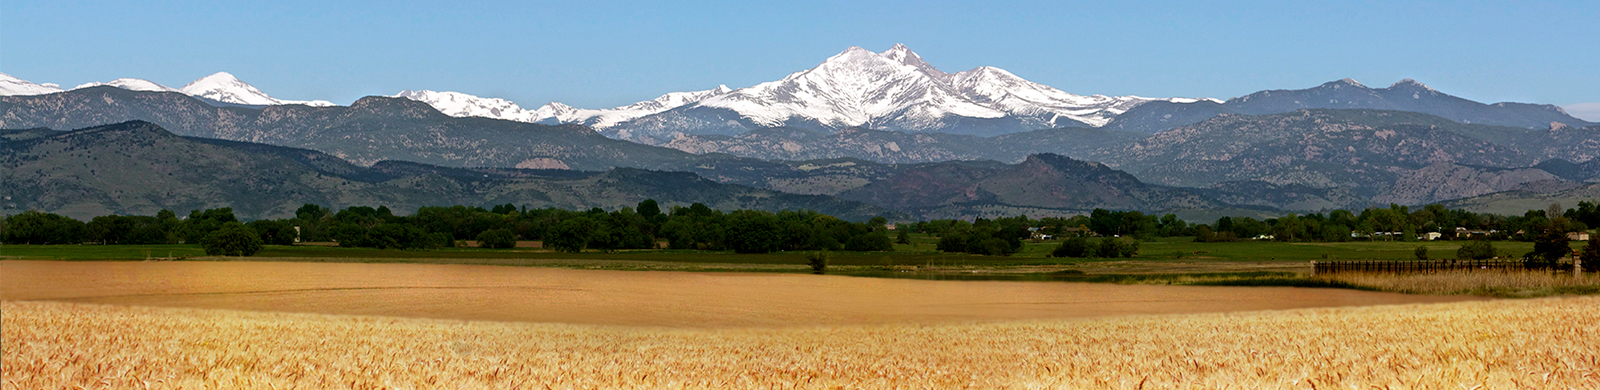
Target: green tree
232 239
1475 250
953 242
870 242
497 239
1591 254
1421 252
752 231
33 227
571 235
903 236
274 232
1548 248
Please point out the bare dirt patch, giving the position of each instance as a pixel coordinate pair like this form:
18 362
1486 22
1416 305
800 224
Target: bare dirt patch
674 299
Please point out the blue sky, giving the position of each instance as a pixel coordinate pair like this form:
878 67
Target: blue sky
601 53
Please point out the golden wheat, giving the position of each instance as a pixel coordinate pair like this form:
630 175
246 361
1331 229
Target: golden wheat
1481 282
1541 343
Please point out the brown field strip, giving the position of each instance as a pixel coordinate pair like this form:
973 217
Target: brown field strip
671 299
1502 344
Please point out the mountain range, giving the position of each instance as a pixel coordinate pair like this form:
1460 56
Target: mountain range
893 90
889 130
220 88
1307 160
1405 95
139 168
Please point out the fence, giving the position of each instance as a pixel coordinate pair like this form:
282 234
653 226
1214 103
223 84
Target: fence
1414 266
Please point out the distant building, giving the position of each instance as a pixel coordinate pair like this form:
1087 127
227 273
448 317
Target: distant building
1578 236
1430 236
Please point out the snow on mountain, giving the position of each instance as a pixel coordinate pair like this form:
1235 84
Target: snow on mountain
223 87
461 104
601 119
852 88
132 85
892 90
12 86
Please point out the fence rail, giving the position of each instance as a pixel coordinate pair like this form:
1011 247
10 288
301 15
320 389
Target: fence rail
1414 266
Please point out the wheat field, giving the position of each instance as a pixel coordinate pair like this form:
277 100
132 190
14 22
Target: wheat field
1541 343
1478 282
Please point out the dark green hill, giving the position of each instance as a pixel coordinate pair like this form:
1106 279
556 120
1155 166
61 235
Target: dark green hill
139 168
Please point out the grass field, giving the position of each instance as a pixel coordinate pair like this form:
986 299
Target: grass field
1542 343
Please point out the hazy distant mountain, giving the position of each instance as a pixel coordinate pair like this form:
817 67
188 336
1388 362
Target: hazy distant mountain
1446 181
893 147
1519 201
1406 95
139 168
374 129
1040 185
1364 150
1588 171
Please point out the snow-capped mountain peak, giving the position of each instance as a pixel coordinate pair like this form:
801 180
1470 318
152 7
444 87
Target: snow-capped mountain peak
891 90
902 54
223 87
131 84
461 104
220 87
12 86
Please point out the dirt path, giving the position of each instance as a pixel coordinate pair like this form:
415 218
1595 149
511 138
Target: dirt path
672 299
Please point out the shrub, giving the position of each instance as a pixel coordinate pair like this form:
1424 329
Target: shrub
818 261
1072 247
1475 250
497 239
1421 252
1109 247
232 239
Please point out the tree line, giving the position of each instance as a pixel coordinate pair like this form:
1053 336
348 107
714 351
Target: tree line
693 227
